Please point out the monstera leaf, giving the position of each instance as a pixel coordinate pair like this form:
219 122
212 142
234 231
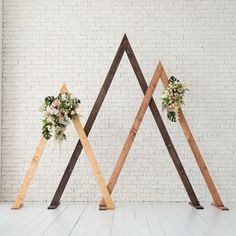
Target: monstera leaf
49 100
172 116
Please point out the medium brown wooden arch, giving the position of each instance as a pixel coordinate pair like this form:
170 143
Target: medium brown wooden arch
159 74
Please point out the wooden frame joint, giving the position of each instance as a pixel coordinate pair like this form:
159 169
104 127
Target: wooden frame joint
54 206
221 207
197 206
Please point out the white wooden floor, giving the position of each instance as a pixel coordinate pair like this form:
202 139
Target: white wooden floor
127 219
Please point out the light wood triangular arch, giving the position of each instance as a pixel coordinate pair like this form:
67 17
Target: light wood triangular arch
90 155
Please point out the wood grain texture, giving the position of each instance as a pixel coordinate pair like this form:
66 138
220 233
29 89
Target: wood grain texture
161 126
197 154
29 174
93 163
91 158
132 133
32 168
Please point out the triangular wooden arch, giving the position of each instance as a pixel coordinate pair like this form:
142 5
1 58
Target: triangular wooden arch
159 73
132 133
125 47
91 158
217 202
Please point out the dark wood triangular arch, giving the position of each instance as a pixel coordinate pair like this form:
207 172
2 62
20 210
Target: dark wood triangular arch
125 47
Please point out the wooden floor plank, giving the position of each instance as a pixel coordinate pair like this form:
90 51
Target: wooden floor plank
81 225
227 218
105 223
152 221
18 218
192 221
100 223
43 221
195 220
118 223
218 222
5 212
65 222
141 221
128 219
169 220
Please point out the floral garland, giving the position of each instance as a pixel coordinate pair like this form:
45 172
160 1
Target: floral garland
57 113
172 99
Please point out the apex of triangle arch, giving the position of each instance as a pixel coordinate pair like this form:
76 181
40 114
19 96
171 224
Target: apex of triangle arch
125 38
63 88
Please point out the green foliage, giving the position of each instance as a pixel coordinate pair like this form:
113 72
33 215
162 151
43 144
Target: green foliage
49 100
172 99
57 113
46 130
172 116
172 79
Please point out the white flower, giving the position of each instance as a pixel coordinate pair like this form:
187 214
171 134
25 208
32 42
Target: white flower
48 110
49 119
63 97
54 111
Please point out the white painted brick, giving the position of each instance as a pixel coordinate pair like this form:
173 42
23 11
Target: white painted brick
46 43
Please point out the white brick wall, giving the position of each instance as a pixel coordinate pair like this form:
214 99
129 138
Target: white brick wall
46 43
0 85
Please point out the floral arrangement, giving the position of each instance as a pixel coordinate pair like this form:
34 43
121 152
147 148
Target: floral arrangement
57 113
172 99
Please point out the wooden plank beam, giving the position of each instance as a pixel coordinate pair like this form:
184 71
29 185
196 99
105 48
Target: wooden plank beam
18 203
197 154
132 133
91 158
93 163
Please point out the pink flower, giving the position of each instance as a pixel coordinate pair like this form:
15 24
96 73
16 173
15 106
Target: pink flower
56 103
169 108
173 97
48 111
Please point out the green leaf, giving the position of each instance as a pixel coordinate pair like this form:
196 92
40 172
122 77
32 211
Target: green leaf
171 116
49 100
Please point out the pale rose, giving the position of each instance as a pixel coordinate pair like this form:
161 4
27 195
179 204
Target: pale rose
54 111
169 108
48 110
56 103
